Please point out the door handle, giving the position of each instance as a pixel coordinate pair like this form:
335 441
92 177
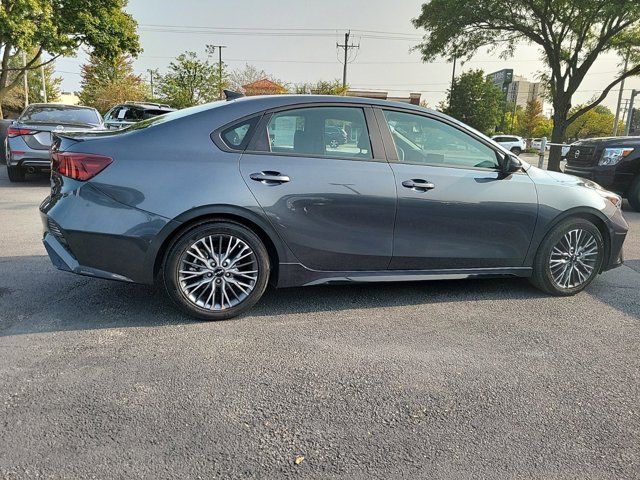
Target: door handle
269 178
418 184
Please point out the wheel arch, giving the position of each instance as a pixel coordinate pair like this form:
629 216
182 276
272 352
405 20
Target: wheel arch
590 214
188 220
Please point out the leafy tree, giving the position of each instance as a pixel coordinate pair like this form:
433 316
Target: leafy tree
475 100
543 129
189 81
597 122
570 33
58 28
322 87
531 118
240 77
106 82
14 99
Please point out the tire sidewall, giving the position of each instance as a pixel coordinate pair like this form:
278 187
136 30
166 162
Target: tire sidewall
634 194
543 270
184 241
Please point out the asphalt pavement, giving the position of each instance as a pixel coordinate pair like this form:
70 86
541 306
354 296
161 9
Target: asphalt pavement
466 379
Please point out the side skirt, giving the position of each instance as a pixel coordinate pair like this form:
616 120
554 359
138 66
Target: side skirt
295 275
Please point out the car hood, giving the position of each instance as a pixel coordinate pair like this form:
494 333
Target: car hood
539 176
609 142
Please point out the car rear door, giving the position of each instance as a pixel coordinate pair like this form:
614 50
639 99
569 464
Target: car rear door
333 205
456 209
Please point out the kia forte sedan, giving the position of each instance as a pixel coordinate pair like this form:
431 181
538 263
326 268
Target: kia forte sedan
217 201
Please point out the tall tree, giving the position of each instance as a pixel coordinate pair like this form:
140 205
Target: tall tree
55 28
570 33
475 100
106 82
531 118
189 81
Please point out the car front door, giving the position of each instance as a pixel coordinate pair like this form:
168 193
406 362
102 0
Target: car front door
456 209
333 204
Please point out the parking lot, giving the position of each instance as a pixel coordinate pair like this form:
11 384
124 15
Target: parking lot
464 379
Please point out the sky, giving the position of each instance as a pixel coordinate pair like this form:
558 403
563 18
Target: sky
252 33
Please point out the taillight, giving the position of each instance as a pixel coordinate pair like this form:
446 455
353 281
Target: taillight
79 166
17 132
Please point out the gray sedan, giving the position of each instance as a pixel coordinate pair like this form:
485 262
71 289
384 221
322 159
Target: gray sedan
217 201
29 137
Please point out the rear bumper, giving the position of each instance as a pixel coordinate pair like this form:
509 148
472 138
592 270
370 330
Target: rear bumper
88 233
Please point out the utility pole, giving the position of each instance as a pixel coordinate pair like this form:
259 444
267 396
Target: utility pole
153 95
346 46
26 80
634 93
219 47
44 84
617 120
453 74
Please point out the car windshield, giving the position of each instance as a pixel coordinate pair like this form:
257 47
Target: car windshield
60 114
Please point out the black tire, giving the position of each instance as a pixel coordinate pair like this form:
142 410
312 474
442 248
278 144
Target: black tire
334 143
16 174
542 277
516 150
180 245
634 194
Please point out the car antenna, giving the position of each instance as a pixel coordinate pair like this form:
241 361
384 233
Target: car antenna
231 95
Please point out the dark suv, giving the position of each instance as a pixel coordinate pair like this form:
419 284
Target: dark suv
128 113
334 136
611 162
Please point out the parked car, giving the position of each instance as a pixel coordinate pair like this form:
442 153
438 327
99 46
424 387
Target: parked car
201 201
536 144
128 113
512 143
334 136
29 137
612 162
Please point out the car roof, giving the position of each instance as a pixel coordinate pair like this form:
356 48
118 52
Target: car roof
150 106
62 105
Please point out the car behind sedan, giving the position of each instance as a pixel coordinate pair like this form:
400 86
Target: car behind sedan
29 137
208 202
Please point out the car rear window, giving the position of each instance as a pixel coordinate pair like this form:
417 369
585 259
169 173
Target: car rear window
60 114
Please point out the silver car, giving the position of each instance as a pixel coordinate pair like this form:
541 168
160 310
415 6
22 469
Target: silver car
29 137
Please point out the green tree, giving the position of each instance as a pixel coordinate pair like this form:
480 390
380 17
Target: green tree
475 101
106 82
189 81
543 129
322 87
56 28
531 118
597 122
571 35
14 99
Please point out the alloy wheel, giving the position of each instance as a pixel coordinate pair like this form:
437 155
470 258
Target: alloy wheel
217 272
573 259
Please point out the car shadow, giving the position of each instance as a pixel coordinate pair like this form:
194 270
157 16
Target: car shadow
37 298
38 179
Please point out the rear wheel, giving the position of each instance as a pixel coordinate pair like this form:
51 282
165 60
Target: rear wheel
634 194
16 174
216 270
516 150
569 258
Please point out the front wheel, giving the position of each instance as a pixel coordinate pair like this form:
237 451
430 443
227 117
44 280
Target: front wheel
569 258
216 270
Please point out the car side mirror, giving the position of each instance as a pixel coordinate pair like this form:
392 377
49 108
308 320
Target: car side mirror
511 164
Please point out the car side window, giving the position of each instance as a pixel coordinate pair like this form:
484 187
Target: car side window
423 140
338 132
237 136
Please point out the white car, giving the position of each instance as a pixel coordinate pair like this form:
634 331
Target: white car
536 143
515 144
